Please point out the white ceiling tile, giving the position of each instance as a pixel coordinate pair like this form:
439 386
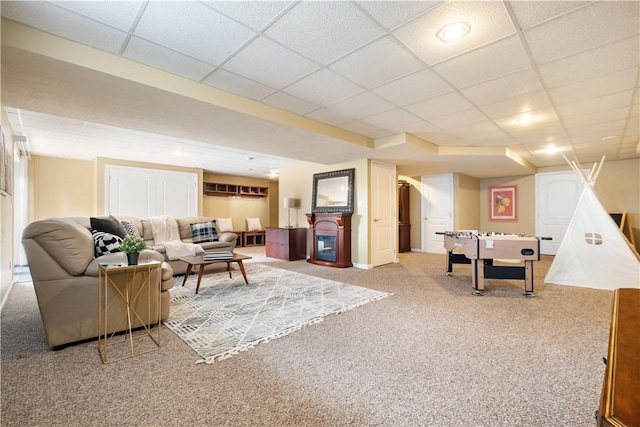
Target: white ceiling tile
497 59
485 130
365 129
530 13
520 104
253 14
599 130
378 63
362 105
439 106
325 115
592 63
262 61
595 87
503 88
290 103
459 119
548 132
438 138
324 31
413 88
390 14
323 87
415 128
601 117
63 23
595 105
119 14
230 82
390 119
595 25
166 59
488 19
192 28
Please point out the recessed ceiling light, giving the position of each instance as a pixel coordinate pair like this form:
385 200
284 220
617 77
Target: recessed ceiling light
551 149
525 119
453 32
606 138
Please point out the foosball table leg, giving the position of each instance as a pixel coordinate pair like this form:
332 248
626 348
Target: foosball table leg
528 279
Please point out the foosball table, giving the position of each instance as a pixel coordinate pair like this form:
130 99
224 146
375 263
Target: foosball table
481 249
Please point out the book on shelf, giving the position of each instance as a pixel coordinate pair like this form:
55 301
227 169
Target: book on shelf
210 256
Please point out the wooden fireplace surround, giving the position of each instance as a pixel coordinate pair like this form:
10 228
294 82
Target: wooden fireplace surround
331 224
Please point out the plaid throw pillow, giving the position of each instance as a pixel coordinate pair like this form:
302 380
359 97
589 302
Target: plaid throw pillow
204 232
106 243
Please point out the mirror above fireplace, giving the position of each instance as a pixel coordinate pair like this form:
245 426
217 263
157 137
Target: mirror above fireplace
333 192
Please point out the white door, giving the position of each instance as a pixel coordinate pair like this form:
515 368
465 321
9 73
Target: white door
142 192
557 195
437 211
383 213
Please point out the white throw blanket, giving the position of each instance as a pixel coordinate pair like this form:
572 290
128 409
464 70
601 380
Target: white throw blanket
165 233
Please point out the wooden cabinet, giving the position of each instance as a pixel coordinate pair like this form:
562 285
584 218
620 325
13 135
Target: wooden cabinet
620 398
227 190
404 223
286 243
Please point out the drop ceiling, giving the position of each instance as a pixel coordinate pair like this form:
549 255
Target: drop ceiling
249 87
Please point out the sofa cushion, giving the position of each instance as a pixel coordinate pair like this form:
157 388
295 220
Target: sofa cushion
204 232
130 229
108 224
106 243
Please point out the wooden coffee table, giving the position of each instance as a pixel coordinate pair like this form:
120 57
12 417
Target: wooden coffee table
199 260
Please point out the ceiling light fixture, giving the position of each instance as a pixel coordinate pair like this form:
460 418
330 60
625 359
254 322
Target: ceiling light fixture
453 32
526 119
607 138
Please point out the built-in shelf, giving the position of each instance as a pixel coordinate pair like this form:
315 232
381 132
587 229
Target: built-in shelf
250 191
226 190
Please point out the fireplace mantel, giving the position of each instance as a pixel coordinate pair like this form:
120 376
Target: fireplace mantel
325 228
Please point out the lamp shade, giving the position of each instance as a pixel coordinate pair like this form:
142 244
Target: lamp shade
290 203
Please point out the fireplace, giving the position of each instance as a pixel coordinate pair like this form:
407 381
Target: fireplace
326 248
331 239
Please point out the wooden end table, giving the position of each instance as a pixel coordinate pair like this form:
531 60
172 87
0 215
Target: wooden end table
199 260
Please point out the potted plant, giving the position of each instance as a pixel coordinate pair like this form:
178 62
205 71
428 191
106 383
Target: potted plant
132 245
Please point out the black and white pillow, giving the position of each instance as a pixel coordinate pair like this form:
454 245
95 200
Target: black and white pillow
204 232
106 243
130 229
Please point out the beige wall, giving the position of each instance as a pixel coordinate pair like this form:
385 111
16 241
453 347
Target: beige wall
466 202
297 182
525 208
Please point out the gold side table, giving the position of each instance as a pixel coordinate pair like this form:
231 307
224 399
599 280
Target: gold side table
132 285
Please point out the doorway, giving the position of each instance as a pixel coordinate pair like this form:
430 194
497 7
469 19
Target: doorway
437 211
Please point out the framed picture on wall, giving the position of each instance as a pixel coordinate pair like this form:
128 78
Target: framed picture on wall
503 203
6 165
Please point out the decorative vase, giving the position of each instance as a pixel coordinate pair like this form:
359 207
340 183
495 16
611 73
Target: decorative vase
132 258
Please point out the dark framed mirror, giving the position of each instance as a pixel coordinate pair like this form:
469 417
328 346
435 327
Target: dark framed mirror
333 191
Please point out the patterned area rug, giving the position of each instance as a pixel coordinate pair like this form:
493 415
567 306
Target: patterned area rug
228 316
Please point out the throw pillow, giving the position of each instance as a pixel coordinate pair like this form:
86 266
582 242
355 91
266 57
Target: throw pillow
204 232
130 229
225 224
105 243
253 224
108 224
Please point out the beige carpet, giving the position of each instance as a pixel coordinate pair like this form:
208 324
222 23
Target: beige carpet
431 355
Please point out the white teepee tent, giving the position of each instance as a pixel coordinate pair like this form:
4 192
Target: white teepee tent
594 253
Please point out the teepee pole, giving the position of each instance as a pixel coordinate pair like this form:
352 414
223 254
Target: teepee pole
595 178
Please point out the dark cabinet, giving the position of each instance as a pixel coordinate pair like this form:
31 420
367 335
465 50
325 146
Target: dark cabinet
286 243
404 223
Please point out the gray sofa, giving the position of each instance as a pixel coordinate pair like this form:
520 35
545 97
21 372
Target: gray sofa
61 257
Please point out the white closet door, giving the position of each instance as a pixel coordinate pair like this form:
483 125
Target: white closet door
142 192
131 192
437 211
177 194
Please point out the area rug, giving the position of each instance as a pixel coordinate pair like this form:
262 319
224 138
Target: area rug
228 316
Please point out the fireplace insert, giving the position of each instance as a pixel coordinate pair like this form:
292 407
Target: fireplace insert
326 248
